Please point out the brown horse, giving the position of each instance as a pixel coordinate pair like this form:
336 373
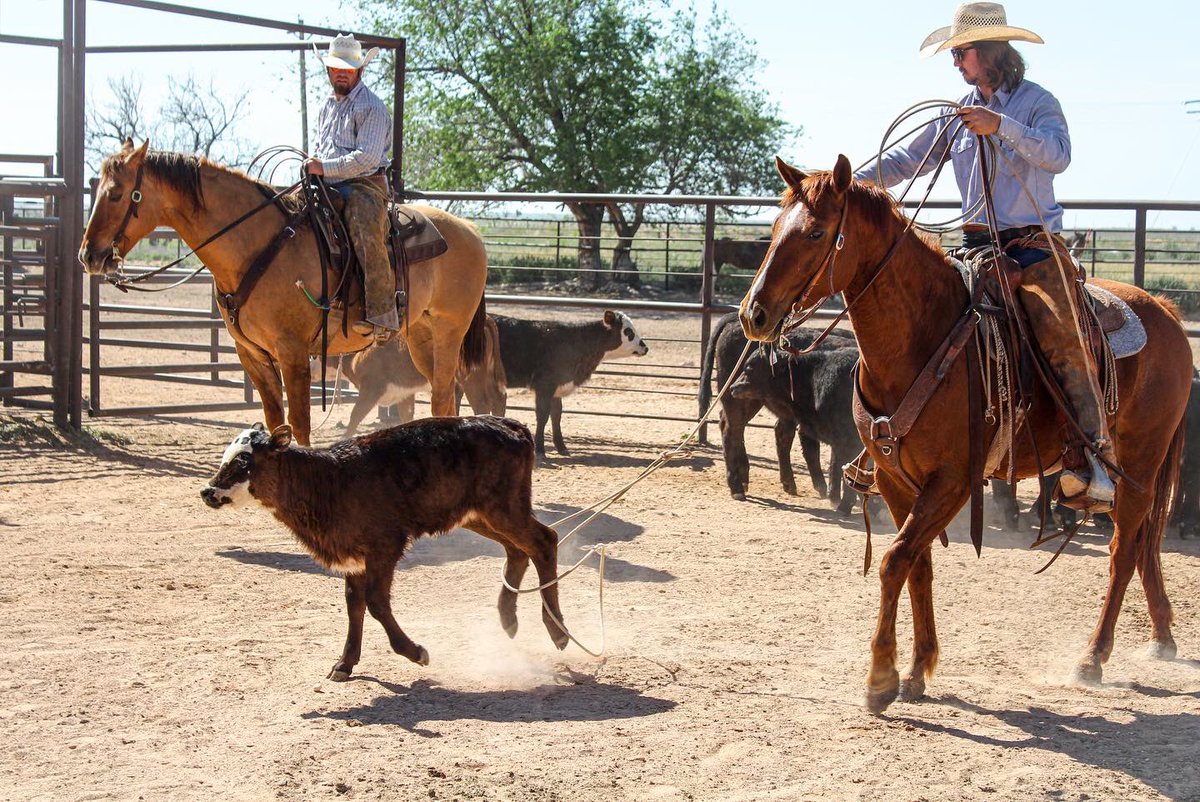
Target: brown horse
832 235
278 327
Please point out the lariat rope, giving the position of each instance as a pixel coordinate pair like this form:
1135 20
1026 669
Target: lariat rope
600 506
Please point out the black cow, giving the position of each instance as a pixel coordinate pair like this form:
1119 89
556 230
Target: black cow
357 506
554 358
811 393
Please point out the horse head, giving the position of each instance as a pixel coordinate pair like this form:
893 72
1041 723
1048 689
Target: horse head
122 211
798 270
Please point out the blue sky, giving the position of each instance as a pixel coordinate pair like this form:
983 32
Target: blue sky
843 71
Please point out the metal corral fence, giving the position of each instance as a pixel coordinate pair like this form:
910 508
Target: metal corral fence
177 337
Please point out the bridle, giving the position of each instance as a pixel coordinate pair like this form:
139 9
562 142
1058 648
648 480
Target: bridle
135 200
125 284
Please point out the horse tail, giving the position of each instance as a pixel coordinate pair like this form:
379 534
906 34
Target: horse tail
474 344
1166 494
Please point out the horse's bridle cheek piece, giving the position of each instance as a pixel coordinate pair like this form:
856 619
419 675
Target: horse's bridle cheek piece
135 200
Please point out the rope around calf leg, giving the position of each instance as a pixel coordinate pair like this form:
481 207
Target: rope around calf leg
600 506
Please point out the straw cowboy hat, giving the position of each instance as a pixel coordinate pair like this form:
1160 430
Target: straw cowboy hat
345 53
976 22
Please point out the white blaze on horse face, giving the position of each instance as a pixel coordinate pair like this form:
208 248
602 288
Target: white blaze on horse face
793 219
631 342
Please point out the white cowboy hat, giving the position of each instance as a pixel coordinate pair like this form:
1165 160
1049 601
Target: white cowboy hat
345 53
976 22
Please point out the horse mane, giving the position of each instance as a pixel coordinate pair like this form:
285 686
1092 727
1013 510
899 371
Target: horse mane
878 208
181 172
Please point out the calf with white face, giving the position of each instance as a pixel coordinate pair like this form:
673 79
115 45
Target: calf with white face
356 507
555 358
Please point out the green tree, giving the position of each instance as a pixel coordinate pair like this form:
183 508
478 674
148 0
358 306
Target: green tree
557 95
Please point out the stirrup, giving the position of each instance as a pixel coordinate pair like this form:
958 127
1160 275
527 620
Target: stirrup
1101 488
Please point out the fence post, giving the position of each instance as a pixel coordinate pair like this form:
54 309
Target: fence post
706 293
1139 247
667 261
7 206
557 246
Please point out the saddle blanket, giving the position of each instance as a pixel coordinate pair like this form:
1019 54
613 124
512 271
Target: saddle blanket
419 236
1128 335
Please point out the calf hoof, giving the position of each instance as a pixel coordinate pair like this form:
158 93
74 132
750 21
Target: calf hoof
562 451
509 626
422 658
340 672
1162 650
912 689
738 495
557 635
790 489
1087 675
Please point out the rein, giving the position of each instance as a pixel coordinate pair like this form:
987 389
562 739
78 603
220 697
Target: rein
125 284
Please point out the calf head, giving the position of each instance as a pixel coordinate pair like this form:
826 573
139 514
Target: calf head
629 342
233 483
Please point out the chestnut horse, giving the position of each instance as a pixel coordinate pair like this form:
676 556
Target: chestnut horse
832 235
278 327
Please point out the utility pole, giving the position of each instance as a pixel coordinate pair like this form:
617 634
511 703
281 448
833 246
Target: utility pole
303 96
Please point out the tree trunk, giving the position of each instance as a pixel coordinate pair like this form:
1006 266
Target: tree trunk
589 217
624 268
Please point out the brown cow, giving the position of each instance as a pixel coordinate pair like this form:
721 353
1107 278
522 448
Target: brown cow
357 506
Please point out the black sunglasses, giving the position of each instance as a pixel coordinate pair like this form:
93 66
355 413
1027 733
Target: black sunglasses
959 53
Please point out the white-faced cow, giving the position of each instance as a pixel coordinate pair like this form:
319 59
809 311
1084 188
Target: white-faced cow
554 358
358 505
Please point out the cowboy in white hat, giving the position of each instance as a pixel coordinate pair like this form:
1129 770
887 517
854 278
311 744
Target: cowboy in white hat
1026 124
354 136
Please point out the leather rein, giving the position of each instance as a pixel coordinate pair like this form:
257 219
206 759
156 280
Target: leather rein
125 284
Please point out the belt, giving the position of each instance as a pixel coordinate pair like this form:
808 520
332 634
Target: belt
1006 234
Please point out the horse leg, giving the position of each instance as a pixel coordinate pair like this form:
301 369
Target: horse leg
932 510
447 350
1129 515
785 436
925 642
356 606
297 379
265 378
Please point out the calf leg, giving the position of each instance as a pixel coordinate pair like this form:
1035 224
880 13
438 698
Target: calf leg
361 407
543 550
785 435
843 496
356 606
515 563
379 602
734 417
810 447
541 404
560 445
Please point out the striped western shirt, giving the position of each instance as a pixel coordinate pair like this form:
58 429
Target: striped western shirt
1034 147
354 135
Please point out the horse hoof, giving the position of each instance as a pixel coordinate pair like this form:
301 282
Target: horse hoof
339 673
912 689
880 695
422 656
1087 675
1162 650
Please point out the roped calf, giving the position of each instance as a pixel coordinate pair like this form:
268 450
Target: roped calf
358 505
554 358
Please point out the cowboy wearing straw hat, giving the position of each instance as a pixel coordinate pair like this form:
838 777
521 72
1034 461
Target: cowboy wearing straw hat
354 136
1027 124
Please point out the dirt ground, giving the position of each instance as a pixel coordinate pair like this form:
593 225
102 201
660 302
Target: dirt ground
158 649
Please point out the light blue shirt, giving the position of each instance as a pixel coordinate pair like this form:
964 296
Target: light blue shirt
1034 147
354 135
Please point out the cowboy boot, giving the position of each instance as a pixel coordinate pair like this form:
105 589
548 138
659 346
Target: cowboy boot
1044 295
367 220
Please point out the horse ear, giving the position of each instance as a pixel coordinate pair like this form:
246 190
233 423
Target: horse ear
842 174
281 438
127 145
791 176
135 158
